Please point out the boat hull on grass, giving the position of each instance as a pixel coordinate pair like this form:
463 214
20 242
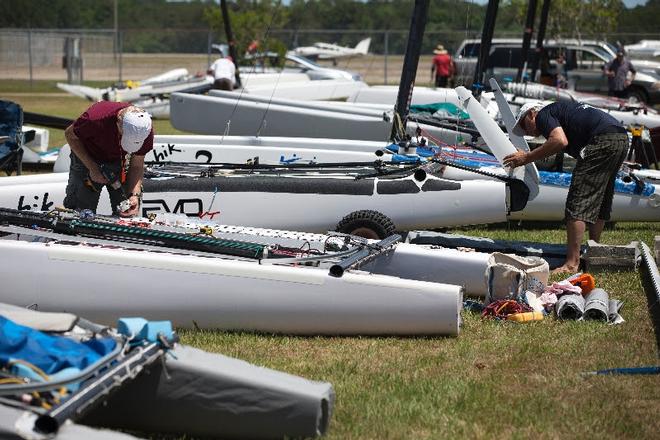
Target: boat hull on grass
244 149
189 392
304 203
247 115
229 294
210 396
629 203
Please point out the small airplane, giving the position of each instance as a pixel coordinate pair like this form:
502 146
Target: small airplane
325 51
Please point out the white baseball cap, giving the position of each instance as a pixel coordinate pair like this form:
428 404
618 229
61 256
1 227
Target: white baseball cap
517 129
136 126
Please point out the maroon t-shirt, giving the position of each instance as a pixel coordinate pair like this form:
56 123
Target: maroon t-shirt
97 129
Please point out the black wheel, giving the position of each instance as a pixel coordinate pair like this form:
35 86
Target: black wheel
367 224
637 95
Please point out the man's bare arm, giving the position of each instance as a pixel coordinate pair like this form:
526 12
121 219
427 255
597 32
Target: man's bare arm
556 142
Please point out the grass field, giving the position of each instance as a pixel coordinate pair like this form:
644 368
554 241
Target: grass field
495 380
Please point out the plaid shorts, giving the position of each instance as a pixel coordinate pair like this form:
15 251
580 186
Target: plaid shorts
592 185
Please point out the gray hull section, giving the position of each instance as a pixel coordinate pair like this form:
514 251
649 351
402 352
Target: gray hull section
210 395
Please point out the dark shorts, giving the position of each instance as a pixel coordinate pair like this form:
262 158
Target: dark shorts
592 185
441 81
79 196
223 84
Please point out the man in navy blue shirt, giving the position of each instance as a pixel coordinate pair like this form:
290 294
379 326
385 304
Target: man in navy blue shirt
598 142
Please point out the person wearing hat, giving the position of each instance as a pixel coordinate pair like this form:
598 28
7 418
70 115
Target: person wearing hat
617 75
598 142
442 68
105 135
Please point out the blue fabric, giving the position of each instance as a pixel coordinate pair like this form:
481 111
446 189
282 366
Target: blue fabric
142 330
478 160
564 179
50 353
11 124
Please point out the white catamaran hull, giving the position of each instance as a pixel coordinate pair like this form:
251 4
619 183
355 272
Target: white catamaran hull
313 204
549 206
225 294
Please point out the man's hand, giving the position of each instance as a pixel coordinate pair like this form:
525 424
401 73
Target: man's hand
133 210
96 175
516 159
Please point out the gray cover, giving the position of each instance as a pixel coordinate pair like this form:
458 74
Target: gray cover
69 431
570 306
554 254
597 305
44 321
210 395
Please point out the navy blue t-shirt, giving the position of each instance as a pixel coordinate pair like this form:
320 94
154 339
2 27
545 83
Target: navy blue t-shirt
580 122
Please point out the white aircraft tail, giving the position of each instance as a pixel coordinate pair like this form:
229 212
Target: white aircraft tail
363 46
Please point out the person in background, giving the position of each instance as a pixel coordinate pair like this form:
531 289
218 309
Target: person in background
442 69
561 80
598 142
102 138
617 71
223 71
546 77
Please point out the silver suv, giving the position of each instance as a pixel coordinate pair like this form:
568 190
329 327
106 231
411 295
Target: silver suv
583 68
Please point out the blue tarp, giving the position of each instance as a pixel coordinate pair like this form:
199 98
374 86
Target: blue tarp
11 123
50 353
477 160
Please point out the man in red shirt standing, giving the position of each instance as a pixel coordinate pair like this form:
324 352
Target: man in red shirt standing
106 135
442 67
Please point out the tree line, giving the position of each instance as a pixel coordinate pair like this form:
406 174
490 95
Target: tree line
164 26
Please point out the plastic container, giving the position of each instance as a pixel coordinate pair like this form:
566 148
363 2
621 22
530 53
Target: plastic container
526 317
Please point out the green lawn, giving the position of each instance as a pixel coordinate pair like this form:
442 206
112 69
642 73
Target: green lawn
495 380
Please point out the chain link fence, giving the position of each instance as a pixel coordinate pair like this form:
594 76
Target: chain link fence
39 54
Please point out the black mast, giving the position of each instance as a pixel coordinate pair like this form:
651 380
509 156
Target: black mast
486 39
540 36
527 38
410 61
230 39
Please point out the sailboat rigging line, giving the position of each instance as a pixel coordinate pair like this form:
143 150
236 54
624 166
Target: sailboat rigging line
76 226
405 172
261 166
277 82
473 170
313 258
252 72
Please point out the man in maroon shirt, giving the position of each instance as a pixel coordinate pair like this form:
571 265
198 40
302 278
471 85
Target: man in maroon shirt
442 67
105 135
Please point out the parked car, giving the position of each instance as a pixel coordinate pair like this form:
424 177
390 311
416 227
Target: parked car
583 66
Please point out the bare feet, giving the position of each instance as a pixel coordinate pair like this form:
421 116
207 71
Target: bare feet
565 269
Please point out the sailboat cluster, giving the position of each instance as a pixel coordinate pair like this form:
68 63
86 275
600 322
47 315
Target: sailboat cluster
275 215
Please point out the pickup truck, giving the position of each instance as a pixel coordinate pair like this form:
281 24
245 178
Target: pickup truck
583 67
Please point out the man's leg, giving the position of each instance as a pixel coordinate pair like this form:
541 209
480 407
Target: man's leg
78 195
596 229
574 234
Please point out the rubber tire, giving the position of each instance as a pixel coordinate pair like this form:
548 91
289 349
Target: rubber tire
367 224
638 93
